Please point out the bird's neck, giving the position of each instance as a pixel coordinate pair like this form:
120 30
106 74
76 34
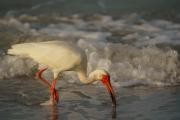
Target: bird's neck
84 78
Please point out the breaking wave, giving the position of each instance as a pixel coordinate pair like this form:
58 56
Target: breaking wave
135 51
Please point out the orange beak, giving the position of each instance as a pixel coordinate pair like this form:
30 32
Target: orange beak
106 81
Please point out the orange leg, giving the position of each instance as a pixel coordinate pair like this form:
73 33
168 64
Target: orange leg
54 94
39 75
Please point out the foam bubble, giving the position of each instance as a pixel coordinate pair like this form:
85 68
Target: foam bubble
11 66
74 33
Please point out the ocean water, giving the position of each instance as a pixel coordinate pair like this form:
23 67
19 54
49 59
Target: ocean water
21 99
138 47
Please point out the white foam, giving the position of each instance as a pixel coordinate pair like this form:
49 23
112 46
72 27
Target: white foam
149 65
146 27
102 28
11 66
74 33
13 24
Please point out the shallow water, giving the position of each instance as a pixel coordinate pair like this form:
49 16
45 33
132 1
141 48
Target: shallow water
87 102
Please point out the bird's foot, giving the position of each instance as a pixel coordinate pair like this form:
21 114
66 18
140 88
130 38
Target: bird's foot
50 102
54 95
54 92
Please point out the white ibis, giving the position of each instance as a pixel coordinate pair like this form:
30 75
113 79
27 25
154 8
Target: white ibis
60 56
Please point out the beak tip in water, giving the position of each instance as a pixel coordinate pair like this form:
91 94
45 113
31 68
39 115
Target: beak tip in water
106 81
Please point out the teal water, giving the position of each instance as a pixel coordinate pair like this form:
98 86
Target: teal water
111 7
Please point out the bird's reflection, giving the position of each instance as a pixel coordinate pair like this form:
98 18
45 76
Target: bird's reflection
54 113
113 112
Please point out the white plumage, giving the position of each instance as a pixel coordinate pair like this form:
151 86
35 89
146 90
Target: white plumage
57 55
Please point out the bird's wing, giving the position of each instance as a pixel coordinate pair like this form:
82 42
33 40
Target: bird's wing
54 54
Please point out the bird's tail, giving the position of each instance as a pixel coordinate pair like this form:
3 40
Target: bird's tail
18 49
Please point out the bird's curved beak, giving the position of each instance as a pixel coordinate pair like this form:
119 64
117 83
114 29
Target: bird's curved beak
106 81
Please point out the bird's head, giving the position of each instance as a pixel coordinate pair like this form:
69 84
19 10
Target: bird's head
104 77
